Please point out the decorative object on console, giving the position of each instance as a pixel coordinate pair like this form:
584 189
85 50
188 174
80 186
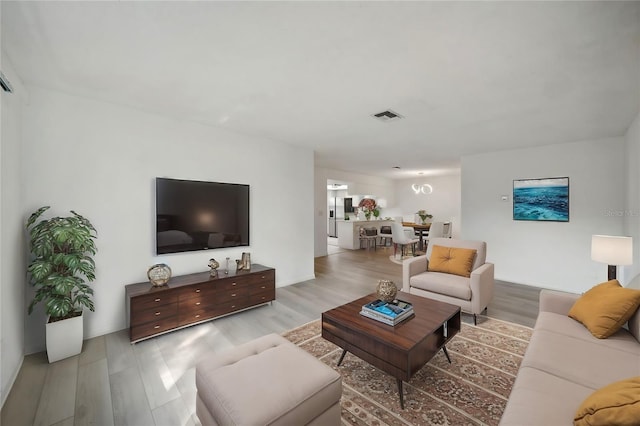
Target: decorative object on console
60 269
386 290
214 265
226 268
541 199
613 251
246 261
424 216
159 274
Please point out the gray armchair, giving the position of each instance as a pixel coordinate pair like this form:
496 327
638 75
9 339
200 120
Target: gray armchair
472 294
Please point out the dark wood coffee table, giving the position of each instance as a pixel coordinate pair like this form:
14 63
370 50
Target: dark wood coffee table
399 350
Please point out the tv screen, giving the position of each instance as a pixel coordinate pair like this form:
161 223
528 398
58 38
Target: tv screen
195 215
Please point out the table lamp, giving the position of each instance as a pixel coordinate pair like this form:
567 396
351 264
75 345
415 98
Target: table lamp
613 251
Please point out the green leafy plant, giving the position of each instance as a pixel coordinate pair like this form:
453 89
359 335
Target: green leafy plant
424 215
62 264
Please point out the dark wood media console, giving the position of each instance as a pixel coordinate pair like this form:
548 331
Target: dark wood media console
191 299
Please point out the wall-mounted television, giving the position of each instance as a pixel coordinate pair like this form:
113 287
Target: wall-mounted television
195 215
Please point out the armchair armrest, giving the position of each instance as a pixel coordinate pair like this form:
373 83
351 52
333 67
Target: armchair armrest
482 283
557 301
413 267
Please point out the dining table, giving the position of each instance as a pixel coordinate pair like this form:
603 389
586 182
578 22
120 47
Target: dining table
420 228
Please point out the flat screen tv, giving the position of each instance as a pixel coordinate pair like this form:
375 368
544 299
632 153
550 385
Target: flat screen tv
195 215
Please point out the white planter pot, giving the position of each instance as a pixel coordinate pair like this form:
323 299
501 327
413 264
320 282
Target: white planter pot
64 338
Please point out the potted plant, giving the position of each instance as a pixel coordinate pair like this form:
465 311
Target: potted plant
61 266
424 216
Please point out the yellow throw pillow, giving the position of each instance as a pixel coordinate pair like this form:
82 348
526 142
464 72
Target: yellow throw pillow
452 260
614 404
605 308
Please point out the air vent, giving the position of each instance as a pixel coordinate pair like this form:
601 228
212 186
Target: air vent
4 83
388 115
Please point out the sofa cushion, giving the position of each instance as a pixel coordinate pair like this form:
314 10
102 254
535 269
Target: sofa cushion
605 308
452 260
587 363
441 283
561 324
539 398
614 404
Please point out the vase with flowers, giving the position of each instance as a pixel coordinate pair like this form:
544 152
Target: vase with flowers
424 216
368 205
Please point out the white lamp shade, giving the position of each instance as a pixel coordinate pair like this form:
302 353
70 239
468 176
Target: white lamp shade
612 250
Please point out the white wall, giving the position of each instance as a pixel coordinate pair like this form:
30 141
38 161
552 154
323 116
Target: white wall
101 160
358 184
546 254
632 209
443 203
12 247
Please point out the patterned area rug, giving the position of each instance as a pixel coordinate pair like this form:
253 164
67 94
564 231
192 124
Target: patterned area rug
472 390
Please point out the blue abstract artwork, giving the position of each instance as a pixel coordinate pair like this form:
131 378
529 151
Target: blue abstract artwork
541 199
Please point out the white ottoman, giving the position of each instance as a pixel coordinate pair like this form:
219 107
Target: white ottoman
268 381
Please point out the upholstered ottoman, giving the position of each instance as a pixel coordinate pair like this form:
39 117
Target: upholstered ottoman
268 381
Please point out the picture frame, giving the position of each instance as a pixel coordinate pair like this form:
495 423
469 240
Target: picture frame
541 199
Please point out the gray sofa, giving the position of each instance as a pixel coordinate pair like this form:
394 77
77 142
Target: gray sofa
564 364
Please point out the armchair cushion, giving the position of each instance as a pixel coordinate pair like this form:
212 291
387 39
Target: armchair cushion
443 283
452 260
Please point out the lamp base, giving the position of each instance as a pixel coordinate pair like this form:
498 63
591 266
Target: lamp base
612 272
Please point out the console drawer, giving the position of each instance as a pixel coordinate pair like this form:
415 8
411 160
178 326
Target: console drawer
155 327
152 300
156 313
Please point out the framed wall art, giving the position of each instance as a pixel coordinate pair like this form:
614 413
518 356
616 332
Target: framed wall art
544 199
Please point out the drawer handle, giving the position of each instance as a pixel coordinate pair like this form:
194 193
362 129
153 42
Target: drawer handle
158 299
157 313
264 286
197 303
234 283
197 290
233 295
233 306
263 277
198 316
156 327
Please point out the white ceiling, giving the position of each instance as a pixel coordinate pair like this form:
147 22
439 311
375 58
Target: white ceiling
468 77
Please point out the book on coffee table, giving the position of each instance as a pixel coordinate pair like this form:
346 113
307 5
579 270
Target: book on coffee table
390 313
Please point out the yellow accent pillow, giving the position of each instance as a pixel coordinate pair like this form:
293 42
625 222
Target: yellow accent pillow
605 308
614 404
452 260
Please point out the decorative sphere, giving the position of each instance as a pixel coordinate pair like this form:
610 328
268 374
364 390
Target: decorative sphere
213 264
386 290
159 274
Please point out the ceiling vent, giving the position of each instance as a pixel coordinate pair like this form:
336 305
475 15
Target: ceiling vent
4 83
387 116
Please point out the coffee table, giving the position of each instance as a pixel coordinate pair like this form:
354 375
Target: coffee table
399 350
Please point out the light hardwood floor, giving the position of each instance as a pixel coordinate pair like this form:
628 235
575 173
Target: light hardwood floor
153 382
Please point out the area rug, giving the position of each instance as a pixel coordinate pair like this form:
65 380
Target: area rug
472 390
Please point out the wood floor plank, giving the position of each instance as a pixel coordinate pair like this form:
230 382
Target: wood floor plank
120 354
93 399
93 350
56 405
22 402
172 413
158 381
130 404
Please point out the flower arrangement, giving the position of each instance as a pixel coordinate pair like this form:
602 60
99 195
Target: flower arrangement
424 215
368 206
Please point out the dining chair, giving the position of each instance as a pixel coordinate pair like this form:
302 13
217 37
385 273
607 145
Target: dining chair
400 238
368 236
385 235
